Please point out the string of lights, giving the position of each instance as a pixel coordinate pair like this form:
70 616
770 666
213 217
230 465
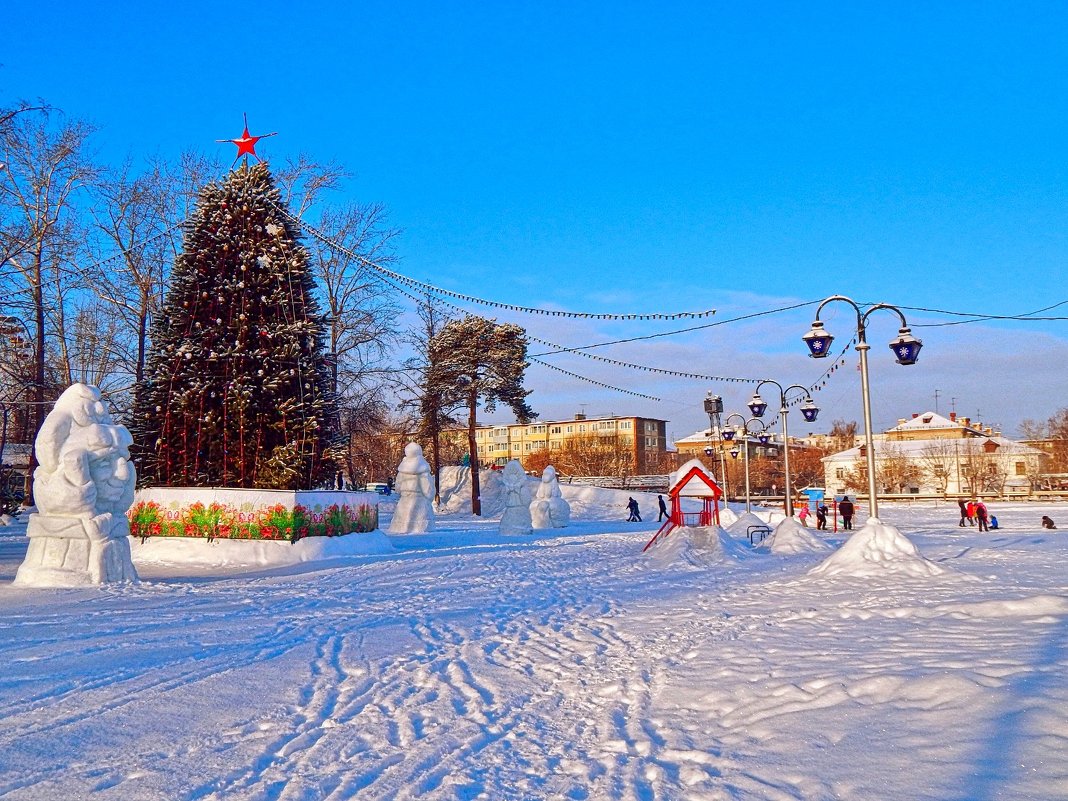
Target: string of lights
436 290
592 381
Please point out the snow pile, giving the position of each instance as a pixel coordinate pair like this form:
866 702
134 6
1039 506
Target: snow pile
740 527
455 491
699 546
875 550
256 553
6 520
790 537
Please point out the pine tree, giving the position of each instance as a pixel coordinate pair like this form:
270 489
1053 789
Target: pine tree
475 359
236 392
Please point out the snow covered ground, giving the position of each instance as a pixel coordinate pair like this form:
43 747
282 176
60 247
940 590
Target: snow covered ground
562 665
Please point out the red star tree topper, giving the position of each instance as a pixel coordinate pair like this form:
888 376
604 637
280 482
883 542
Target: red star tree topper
246 145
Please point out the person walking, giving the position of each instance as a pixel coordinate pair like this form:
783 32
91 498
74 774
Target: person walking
663 508
821 517
963 512
803 515
846 508
981 515
635 515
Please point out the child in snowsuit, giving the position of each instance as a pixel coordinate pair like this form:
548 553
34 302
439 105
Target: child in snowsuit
821 517
1047 522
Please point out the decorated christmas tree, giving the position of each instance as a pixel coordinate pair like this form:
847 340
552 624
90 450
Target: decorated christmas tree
236 391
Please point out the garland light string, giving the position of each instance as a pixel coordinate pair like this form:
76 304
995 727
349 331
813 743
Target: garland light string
414 284
591 381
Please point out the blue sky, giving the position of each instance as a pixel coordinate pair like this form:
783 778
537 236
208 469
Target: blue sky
636 158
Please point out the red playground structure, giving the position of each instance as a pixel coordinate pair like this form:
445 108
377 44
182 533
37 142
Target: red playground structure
695 482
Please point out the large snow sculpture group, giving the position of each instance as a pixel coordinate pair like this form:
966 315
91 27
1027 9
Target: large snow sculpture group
83 486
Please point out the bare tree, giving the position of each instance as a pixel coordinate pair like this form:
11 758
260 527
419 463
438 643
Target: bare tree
134 217
45 170
434 409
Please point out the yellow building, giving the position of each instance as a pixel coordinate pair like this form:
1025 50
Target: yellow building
637 444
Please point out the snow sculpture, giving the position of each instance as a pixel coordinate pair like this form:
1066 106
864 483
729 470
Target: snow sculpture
516 517
415 509
549 509
83 486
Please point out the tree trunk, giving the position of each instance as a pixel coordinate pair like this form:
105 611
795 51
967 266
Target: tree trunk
472 451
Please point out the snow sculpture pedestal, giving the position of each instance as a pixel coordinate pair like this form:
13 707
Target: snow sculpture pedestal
415 509
549 509
516 517
85 483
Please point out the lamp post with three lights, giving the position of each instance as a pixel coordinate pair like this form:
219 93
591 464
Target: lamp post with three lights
809 410
906 348
743 429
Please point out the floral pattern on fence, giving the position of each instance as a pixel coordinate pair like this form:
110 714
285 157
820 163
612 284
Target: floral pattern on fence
222 521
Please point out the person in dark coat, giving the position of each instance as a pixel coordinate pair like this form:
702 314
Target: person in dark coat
663 508
963 512
1047 522
845 509
635 515
821 516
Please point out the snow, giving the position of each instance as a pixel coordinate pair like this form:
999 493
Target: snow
790 537
564 664
877 549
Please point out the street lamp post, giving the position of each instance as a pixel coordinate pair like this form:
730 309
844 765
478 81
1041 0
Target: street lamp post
744 430
906 348
809 410
714 408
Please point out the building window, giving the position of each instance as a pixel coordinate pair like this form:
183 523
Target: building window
1021 468
625 424
650 442
570 429
839 473
515 446
556 430
582 429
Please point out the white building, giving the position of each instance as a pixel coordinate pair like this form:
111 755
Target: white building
933 455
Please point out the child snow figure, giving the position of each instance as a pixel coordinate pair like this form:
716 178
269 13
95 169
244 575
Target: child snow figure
635 515
1047 522
415 509
516 518
821 517
549 509
803 516
663 508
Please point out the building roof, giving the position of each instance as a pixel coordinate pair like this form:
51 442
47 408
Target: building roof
918 448
932 421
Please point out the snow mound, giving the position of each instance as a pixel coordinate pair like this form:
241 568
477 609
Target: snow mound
699 546
790 537
727 517
455 491
256 553
6 520
740 527
874 550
